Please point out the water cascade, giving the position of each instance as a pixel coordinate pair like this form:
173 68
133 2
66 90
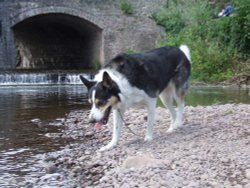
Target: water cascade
44 78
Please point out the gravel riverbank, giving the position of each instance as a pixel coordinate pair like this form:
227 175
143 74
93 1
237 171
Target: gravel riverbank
212 149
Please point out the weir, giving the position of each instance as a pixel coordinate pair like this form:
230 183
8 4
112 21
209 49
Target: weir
39 78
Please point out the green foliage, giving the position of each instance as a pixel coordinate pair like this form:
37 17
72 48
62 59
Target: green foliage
126 7
96 64
217 45
131 51
171 19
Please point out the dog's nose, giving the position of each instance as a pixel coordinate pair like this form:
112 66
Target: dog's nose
92 120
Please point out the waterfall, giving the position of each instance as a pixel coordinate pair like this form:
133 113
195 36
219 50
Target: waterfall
39 78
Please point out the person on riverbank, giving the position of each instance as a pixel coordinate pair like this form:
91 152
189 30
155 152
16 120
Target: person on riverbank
227 10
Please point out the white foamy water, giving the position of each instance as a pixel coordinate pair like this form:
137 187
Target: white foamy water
39 78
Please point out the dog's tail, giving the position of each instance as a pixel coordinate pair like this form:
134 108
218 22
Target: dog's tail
186 51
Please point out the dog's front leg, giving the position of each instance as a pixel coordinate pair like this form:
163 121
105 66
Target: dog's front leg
151 119
117 126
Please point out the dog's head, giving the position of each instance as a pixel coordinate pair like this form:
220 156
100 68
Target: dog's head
103 96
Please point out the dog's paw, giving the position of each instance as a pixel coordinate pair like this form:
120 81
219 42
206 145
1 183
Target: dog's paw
148 138
180 125
108 147
174 127
170 130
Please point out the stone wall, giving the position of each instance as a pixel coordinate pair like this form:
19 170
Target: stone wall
99 27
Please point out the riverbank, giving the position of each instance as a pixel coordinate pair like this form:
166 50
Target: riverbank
211 150
231 83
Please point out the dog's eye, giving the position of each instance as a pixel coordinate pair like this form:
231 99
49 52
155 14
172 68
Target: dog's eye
101 102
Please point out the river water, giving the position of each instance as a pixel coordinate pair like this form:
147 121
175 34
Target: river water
27 111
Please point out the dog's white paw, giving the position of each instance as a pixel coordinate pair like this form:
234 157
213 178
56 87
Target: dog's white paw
170 130
179 125
174 127
110 146
148 138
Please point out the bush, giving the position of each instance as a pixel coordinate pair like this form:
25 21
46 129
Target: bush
126 7
171 19
131 51
216 44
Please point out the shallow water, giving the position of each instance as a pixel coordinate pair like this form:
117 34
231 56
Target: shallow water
26 112
25 115
217 95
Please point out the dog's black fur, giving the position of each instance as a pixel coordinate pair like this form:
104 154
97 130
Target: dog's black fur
151 71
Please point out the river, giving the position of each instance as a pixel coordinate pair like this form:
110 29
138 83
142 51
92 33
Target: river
26 113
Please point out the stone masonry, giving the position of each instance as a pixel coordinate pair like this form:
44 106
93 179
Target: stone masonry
75 34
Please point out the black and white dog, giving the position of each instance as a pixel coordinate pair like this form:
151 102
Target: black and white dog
139 79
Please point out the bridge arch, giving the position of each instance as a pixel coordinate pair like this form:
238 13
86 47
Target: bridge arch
57 38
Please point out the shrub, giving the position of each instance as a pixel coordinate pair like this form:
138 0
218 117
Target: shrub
216 44
131 51
126 7
170 17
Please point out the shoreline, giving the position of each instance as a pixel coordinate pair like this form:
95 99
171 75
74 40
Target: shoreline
212 149
225 84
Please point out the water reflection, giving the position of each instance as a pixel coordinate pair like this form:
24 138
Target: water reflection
19 105
216 95
20 138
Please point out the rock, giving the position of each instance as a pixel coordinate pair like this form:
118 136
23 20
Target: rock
89 134
84 158
36 121
50 169
237 186
87 152
77 169
193 156
53 135
20 180
138 162
224 160
56 124
247 173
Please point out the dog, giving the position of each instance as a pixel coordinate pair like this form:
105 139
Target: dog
139 79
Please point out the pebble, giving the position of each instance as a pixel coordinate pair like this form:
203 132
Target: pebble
77 169
89 134
193 184
36 121
224 160
138 162
237 186
53 135
50 168
247 173
200 154
87 152
247 185
19 180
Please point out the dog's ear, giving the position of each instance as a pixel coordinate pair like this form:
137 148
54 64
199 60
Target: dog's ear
86 82
107 82
120 59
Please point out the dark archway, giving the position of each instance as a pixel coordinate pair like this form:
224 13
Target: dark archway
57 41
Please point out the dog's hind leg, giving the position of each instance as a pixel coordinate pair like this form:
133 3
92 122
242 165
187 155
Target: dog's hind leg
167 99
151 119
117 126
179 98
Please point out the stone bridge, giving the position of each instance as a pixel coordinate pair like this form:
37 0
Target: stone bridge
76 34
